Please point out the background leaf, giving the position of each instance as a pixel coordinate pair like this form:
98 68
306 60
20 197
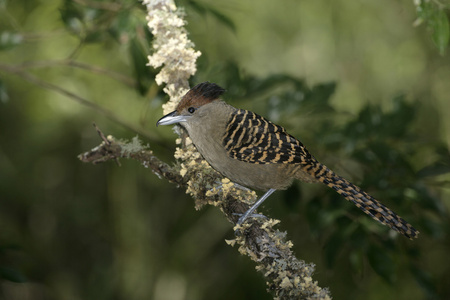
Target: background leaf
441 32
381 263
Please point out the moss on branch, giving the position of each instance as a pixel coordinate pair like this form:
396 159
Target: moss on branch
287 277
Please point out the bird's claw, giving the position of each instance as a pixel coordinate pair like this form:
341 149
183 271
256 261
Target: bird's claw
244 217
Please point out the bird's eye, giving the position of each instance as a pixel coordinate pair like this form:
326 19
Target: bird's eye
191 110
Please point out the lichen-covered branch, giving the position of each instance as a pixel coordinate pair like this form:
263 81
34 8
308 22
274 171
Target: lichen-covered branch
173 51
287 277
113 149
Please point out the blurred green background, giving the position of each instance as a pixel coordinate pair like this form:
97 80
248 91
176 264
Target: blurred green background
365 90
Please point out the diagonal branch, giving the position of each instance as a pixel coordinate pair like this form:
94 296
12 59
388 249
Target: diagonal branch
287 277
112 149
76 64
18 71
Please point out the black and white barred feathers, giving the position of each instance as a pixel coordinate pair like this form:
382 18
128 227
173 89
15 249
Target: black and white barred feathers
253 139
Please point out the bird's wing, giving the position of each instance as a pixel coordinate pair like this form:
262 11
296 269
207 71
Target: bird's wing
251 138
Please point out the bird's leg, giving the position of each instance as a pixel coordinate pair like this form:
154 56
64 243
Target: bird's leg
255 206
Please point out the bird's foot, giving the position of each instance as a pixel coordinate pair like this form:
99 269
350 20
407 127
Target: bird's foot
250 211
244 217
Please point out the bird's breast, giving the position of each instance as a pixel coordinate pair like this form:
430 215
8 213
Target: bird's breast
256 176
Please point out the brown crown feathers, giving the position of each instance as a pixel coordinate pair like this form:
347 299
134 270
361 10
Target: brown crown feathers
199 95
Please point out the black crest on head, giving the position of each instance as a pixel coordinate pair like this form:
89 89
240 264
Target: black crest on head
208 90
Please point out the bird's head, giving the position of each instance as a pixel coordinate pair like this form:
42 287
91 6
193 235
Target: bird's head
201 94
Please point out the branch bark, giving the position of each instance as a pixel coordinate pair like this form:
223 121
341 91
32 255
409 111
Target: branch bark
287 277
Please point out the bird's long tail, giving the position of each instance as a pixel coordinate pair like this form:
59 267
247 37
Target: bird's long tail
361 199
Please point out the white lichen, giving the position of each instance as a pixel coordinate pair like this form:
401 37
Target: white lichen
173 51
133 147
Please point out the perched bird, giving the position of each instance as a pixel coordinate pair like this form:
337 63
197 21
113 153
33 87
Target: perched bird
256 153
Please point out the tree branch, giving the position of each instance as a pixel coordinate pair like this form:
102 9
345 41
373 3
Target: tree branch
76 64
18 71
287 277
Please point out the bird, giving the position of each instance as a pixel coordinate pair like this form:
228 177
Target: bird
255 153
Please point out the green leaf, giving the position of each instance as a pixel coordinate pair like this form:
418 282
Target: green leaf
425 10
435 169
223 19
425 281
320 94
433 13
429 201
143 73
199 7
372 122
257 86
203 9
90 24
356 259
432 228
333 247
240 85
441 30
382 263
71 17
314 216
94 37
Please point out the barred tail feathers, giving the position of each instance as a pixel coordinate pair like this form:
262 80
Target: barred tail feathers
361 199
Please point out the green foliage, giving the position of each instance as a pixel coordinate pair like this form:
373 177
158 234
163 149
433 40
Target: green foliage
205 9
441 166
384 143
138 54
382 263
122 22
426 282
435 14
84 22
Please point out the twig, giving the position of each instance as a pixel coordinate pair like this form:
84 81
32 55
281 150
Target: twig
72 63
100 133
111 149
50 86
115 7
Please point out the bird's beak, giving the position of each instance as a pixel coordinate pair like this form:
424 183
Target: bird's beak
172 118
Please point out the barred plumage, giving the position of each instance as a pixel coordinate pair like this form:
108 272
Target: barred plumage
254 152
253 139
